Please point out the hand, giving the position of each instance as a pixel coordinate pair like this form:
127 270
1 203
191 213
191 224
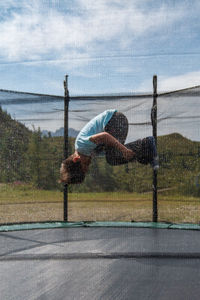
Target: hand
128 154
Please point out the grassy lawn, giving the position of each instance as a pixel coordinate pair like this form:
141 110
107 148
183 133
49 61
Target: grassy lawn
25 204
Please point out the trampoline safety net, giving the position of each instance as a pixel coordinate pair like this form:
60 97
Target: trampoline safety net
31 151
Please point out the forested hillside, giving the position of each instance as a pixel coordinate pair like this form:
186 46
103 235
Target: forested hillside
14 140
29 157
26 156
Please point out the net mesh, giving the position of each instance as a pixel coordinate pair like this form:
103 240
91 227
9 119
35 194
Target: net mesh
31 151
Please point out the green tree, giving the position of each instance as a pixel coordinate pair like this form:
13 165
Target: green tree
42 161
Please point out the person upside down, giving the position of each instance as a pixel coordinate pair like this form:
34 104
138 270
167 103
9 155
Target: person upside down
106 135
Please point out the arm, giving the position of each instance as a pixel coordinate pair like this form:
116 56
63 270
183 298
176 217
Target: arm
107 139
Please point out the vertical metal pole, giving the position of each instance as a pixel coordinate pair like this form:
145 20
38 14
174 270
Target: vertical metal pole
66 142
154 124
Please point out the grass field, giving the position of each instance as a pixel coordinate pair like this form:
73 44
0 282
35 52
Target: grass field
23 203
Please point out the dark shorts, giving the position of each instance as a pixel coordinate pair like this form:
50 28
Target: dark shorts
118 128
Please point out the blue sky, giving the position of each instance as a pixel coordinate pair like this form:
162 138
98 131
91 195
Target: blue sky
104 46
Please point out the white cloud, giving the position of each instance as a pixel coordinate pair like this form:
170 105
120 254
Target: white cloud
179 82
172 83
32 31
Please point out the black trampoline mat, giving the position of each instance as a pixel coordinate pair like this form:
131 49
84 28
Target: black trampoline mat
100 263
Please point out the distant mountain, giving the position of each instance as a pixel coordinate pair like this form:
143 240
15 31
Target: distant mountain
60 132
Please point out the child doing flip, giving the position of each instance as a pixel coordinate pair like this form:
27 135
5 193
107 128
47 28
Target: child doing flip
105 135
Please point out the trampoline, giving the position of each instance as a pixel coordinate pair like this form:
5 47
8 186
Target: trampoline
100 263
105 260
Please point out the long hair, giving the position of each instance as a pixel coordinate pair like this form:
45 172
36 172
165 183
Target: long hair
71 172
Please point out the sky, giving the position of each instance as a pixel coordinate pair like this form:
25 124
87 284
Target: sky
105 46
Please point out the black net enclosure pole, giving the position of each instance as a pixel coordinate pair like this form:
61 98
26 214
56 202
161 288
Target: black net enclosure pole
66 142
154 125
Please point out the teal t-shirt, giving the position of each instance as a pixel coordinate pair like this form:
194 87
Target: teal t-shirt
83 144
